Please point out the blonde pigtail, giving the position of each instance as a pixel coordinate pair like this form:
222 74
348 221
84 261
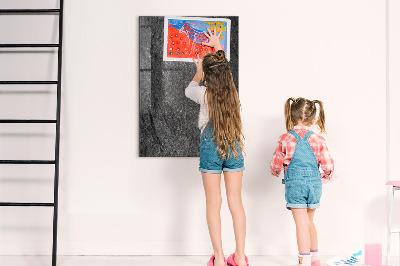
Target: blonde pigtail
321 116
288 114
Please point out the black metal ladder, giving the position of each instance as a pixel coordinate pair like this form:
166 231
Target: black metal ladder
57 82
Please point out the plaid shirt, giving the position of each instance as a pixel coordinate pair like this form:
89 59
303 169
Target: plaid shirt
287 144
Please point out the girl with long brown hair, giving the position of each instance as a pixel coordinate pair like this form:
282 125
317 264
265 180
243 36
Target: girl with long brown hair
221 145
302 153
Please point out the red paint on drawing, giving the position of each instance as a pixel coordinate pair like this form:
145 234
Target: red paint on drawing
181 46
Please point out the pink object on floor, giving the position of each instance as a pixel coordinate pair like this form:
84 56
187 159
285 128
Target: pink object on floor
211 261
231 260
393 183
333 178
373 254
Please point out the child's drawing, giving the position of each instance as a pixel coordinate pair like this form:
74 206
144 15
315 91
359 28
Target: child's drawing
183 37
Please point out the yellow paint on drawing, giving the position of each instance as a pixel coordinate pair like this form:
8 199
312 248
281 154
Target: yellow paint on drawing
219 26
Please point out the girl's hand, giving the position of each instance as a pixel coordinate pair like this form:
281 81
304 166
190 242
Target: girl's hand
213 39
273 173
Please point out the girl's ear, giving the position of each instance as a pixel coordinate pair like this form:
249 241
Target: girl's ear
203 76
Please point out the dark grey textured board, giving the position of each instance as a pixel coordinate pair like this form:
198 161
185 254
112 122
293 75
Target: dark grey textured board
168 120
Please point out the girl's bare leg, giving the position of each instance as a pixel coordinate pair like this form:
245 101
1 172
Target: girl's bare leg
302 221
212 188
233 183
313 230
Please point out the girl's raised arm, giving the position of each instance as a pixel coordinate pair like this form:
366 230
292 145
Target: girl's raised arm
199 67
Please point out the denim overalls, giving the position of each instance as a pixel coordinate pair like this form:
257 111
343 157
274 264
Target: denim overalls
302 181
211 162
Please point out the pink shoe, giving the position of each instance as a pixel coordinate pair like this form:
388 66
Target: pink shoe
211 261
231 260
316 263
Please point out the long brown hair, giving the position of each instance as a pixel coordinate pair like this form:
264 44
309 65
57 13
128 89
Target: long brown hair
223 104
303 110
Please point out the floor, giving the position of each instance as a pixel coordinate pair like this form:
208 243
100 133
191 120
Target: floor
135 260
142 260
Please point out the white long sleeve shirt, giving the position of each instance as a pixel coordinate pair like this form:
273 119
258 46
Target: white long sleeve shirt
196 93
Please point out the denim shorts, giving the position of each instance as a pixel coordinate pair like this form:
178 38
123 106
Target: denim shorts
210 160
303 193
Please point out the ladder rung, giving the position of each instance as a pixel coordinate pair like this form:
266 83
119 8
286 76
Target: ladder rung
38 204
27 121
33 45
27 161
29 82
6 11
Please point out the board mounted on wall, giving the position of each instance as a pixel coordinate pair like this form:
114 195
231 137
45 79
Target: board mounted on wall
183 37
168 120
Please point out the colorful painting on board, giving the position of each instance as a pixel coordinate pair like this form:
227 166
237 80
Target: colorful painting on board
183 37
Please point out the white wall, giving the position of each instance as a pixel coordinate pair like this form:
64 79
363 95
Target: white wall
394 110
113 202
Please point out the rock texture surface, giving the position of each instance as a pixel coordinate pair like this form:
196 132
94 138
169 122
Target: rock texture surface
168 120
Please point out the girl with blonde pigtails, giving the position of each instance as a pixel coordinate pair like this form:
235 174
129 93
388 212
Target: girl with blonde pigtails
302 154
